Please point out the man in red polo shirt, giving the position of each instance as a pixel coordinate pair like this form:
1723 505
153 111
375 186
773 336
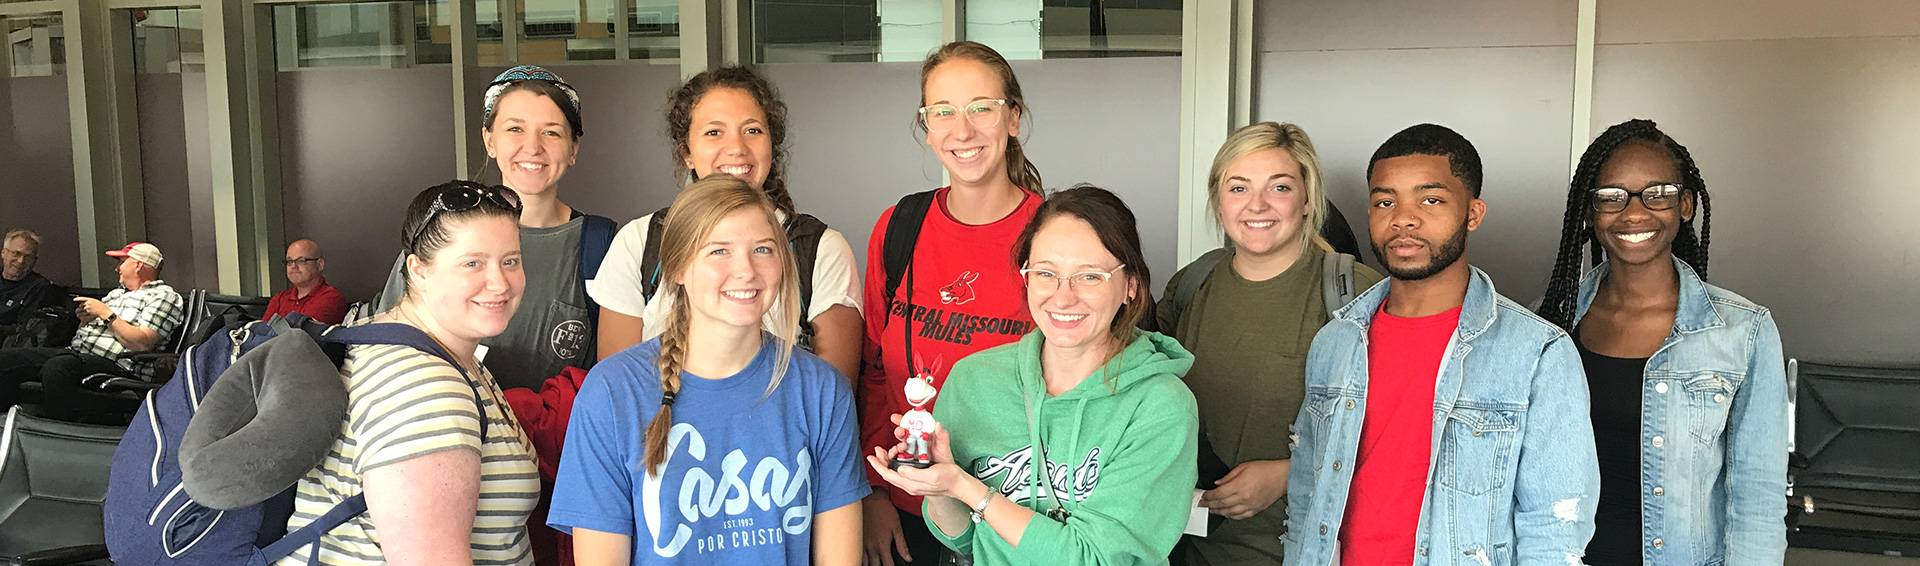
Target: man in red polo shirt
308 292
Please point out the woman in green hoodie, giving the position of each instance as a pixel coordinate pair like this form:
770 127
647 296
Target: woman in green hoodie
1100 403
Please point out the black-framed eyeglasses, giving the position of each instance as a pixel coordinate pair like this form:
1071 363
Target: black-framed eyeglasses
462 196
1656 197
292 261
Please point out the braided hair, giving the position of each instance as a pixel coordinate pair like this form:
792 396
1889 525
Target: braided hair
694 215
1577 227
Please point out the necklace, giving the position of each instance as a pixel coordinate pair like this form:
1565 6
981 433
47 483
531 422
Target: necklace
408 318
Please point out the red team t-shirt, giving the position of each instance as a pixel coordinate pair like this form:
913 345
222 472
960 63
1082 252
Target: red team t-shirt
967 297
1390 468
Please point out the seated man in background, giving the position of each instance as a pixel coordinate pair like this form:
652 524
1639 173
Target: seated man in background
22 291
136 317
307 290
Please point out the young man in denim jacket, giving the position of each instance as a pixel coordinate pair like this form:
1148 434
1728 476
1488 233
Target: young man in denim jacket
1443 423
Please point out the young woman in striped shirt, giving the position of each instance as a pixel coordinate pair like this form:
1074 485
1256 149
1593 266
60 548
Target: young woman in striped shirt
437 492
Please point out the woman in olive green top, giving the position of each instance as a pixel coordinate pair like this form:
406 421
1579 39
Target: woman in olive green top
1249 324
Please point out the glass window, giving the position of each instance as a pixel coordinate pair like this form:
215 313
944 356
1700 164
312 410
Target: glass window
1063 29
561 31
168 40
799 31
376 34
653 31
36 46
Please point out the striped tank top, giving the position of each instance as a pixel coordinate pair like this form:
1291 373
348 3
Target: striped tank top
403 404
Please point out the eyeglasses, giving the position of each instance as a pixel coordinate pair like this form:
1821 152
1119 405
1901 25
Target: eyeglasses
10 254
1615 199
1049 279
292 261
981 113
462 196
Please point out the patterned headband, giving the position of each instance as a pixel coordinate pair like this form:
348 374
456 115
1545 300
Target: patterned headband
533 73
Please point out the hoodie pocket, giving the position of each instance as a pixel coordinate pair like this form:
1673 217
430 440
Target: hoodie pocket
1477 449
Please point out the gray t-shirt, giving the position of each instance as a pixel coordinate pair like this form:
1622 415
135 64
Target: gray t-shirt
551 330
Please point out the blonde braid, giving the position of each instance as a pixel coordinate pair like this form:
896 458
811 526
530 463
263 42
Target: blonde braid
673 357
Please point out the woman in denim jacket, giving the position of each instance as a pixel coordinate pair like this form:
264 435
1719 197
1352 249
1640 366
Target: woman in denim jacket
1688 384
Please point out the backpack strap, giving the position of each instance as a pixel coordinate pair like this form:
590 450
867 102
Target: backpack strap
378 333
803 238
310 534
650 257
596 237
1336 281
903 234
1192 278
1337 233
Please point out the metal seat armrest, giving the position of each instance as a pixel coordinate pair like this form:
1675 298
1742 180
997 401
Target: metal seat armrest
57 556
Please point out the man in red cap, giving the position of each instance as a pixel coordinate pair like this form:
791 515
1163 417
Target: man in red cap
138 316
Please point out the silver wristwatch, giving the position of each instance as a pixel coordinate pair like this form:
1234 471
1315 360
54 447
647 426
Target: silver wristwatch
978 511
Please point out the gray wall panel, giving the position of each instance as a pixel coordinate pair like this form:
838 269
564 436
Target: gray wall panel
625 168
356 145
1657 21
855 151
199 155
1299 25
164 172
1114 123
36 173
1512 103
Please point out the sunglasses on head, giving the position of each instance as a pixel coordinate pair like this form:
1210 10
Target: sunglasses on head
462 196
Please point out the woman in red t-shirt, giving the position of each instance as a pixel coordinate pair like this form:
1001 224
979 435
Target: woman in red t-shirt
959 284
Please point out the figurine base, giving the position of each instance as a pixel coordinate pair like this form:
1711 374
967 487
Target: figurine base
899 461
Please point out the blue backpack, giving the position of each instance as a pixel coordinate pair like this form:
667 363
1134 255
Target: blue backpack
150 519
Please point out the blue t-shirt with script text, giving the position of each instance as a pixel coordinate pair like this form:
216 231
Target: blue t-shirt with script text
745 471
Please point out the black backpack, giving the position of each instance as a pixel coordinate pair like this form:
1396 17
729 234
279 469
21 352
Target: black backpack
151 519
48 327
903 234
803 237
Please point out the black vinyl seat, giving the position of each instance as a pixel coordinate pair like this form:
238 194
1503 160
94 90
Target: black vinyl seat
1855 450
53 478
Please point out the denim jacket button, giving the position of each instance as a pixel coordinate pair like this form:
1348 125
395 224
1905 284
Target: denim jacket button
1657 543
1659 388
1719 398
1659 491
1349 404
1423 551
1659 441
1323 530
1336 465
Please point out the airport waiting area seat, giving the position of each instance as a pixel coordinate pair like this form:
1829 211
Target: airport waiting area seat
53 480
1854 462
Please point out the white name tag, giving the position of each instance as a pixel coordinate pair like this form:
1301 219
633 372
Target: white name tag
1197 516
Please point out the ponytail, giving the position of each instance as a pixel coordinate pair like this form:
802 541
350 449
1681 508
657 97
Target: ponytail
1021 171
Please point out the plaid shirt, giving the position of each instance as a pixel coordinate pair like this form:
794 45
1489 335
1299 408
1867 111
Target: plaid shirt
154 305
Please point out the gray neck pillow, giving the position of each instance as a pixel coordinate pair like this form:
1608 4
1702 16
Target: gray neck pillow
267 421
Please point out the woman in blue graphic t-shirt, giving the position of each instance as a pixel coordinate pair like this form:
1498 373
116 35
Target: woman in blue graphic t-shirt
748 454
